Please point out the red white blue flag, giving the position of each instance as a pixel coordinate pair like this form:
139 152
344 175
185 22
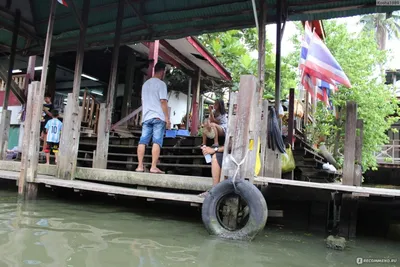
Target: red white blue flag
63 2
321 64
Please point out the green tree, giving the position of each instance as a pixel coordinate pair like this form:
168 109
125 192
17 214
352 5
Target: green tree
360 59
234 48
385 27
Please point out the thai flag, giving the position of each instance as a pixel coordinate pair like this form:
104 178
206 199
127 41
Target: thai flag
63 2
321 64
304 45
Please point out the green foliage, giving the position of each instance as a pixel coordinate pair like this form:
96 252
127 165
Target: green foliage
360 59
385 27
234 48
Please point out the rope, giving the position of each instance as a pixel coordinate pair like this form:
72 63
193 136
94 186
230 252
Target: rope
237 166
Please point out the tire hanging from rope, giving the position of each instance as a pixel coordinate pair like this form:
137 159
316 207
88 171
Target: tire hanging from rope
275 140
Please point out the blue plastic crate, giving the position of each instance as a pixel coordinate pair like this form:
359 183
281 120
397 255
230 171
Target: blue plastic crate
170 133
183 133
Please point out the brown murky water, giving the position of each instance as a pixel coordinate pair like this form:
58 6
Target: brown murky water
53 232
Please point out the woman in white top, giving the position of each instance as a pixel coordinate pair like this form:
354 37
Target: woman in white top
217 123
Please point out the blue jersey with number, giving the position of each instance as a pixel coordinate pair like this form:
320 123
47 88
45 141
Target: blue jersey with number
53 127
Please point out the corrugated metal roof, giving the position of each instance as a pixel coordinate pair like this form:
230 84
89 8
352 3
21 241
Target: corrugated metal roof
167 19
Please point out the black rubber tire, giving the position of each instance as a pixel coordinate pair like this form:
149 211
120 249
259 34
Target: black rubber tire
258 211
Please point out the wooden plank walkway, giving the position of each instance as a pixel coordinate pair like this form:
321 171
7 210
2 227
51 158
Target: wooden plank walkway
108 189
355 190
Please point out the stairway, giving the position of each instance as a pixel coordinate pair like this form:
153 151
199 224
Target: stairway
309 163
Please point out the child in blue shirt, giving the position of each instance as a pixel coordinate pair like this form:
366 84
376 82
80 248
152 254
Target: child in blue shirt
53 129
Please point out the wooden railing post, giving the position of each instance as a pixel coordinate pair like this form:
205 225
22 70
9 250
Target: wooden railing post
69 141
350 143
358 153
242 129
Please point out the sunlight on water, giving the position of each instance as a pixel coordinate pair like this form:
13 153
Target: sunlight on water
50 232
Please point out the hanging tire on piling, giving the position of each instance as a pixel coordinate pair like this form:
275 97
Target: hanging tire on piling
252 210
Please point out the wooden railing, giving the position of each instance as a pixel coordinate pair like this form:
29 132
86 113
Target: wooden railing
18 79
134 119
389 154
91 109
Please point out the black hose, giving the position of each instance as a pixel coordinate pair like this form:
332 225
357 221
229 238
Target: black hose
275 139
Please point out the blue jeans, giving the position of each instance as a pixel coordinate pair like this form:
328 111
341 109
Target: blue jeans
153 128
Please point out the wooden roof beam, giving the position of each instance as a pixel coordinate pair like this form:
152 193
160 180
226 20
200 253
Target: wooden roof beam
176 53
75 11
139 15
169 59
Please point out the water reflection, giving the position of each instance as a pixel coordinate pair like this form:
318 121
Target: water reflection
56 233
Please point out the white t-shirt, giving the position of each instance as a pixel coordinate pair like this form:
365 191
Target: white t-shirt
153 91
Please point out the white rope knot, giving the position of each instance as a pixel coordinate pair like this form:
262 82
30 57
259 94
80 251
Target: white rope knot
238 166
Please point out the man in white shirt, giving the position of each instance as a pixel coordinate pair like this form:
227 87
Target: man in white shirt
155 117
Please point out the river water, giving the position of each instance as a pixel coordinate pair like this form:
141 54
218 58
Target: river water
60 232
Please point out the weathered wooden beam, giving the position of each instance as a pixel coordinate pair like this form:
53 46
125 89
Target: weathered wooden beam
154 48
242 130
358 153
349 143
188 103
19 94
175 52
17 21
278 55
195 102
100 157
262 20
4 132
291 117
129 77
75 11
264 136
69 142
30 73
47 48
165 56
138 14
26 139
33 133
104 132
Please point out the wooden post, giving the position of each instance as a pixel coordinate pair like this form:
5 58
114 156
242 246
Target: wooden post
69 142
291 117
6 114
278 55
349 143
5 128
30 76
188 103
51 79
264 136
262 20
307 100
153 57
47 48
241 130
100 160
104 132
26 138
129 77
232 117
14 41
69 139
195 103
358 153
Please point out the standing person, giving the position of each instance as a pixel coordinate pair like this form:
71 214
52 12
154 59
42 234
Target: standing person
46 116
53 129
155 117
217 123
